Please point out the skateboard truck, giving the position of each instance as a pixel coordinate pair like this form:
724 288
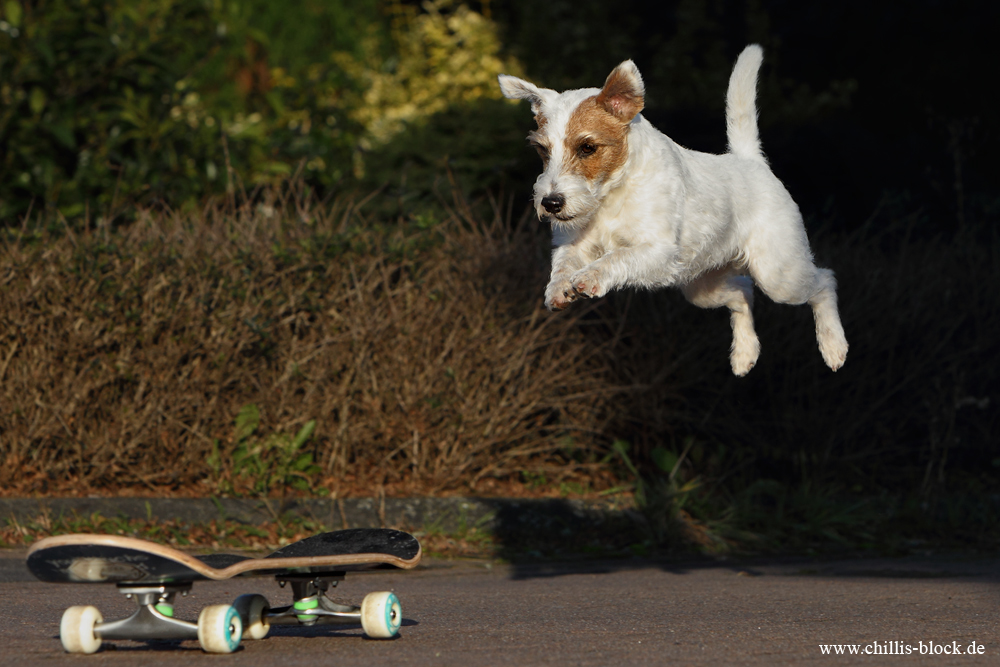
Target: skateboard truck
379 614
153 619
310 603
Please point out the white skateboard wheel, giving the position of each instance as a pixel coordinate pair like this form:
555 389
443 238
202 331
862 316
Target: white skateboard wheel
253 613
77 629
219 629
381 615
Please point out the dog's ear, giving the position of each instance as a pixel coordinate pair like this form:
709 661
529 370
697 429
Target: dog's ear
623 93
519 89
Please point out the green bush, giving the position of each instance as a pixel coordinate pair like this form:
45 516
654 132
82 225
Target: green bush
160 100
118 102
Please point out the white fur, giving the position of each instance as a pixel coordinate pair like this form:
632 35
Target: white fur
671 216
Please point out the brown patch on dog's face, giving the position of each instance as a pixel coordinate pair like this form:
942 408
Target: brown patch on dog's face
596 142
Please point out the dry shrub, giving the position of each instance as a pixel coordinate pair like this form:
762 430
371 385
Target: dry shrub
421 349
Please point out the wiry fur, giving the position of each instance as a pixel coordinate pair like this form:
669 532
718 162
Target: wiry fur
629 207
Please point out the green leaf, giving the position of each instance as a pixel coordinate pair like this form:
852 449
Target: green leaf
302 462
36 100
247 421
275 101
12 10
664 459
275 167
63 134
214 459
47 53
304 434
71 211
241 460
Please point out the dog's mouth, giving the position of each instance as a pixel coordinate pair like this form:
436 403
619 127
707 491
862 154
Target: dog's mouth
553 218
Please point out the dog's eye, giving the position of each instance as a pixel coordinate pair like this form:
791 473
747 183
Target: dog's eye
587 149
543 152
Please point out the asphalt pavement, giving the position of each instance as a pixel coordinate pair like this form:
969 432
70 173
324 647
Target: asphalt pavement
627 612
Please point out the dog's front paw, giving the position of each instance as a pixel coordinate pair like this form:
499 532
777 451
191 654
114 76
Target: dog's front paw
588 283
559 294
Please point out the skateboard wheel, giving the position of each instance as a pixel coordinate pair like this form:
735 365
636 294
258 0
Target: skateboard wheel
77 629
253 612
219 629
381 615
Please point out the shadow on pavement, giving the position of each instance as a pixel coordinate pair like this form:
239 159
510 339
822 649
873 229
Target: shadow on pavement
552 538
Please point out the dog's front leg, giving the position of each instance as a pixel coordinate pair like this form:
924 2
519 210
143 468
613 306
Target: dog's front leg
641 265
566 260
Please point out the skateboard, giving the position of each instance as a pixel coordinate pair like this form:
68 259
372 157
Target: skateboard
153 575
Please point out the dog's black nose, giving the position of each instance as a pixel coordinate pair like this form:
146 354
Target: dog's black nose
553 203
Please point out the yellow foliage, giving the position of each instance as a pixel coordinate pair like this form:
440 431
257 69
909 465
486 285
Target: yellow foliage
446 55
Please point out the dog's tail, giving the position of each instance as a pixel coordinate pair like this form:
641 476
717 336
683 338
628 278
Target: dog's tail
741 105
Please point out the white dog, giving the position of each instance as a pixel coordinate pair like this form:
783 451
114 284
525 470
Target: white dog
628 206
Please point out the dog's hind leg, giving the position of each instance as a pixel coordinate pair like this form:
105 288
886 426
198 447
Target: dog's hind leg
725 287
784 271
829 330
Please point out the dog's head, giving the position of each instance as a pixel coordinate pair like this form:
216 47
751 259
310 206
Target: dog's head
582 138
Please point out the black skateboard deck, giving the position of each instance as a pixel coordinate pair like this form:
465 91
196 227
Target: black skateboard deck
153 575
116 559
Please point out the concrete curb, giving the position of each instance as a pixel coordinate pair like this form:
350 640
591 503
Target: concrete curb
446 514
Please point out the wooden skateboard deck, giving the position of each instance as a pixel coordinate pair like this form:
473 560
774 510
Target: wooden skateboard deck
116 559
153 576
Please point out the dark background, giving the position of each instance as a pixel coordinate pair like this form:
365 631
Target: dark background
858 100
